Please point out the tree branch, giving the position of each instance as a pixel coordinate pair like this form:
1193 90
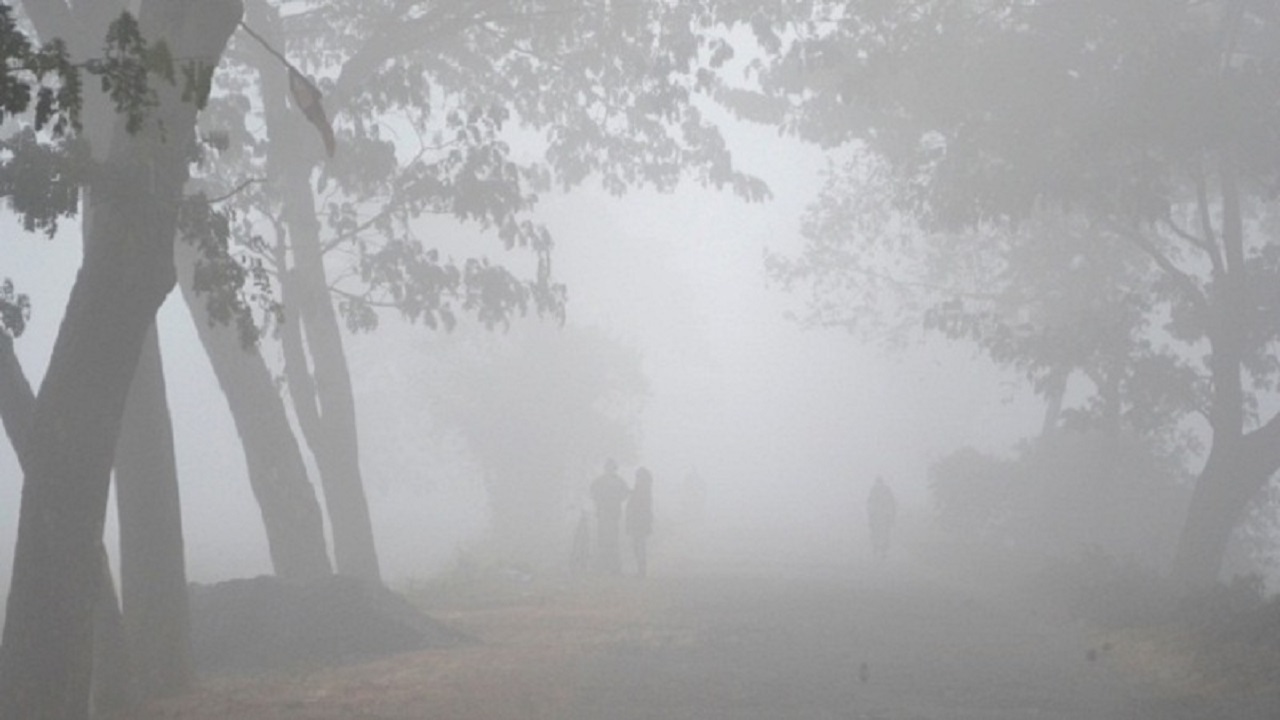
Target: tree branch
1206 222
1183 280
1232 225
234 191
17 401
396 36
1194 240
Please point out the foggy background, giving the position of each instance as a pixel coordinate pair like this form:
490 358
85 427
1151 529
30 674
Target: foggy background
786 426
1019 260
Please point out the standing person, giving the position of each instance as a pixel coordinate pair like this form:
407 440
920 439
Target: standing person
640 519
882 510
608 492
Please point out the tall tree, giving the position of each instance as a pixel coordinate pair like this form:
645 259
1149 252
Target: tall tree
153 577
130 225
1147 126
155 617
277 470
113 688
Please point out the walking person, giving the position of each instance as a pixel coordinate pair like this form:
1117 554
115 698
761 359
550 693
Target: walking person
640 519
608 492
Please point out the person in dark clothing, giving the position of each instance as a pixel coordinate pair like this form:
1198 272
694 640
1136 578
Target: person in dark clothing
608 492
882 511
640 519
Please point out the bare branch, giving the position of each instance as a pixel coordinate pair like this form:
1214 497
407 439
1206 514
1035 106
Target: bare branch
235 191
1200 243
1206 223
1183 280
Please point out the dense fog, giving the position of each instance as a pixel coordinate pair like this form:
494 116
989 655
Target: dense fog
786 427
753 360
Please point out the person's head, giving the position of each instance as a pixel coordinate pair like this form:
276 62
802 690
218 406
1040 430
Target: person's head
611 466
879 479
643 477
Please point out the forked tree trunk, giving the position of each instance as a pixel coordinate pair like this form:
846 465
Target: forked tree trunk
112 690
315 361
153 571
1239 463
45 659
325 407
277 471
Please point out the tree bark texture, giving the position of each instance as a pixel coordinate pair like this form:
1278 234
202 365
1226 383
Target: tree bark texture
277 472
45 658
153 571
315 360
325 407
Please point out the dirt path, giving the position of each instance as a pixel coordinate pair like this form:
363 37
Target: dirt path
711 646
878 647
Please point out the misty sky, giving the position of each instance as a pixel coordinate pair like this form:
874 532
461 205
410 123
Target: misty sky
786 426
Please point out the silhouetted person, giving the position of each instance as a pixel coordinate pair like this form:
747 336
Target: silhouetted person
608 492
882 510
640 519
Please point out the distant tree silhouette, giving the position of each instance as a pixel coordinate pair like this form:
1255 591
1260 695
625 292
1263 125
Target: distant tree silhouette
1079 188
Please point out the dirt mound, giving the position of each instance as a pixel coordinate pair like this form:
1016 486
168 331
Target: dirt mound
264 623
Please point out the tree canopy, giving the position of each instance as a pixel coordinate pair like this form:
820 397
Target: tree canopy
469 111
1077 187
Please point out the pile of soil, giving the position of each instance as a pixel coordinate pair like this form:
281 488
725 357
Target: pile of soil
265 623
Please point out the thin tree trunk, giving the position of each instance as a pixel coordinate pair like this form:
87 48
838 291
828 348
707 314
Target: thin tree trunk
153 572
277 471
45 660
17 401
325 404
46 656
325 408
